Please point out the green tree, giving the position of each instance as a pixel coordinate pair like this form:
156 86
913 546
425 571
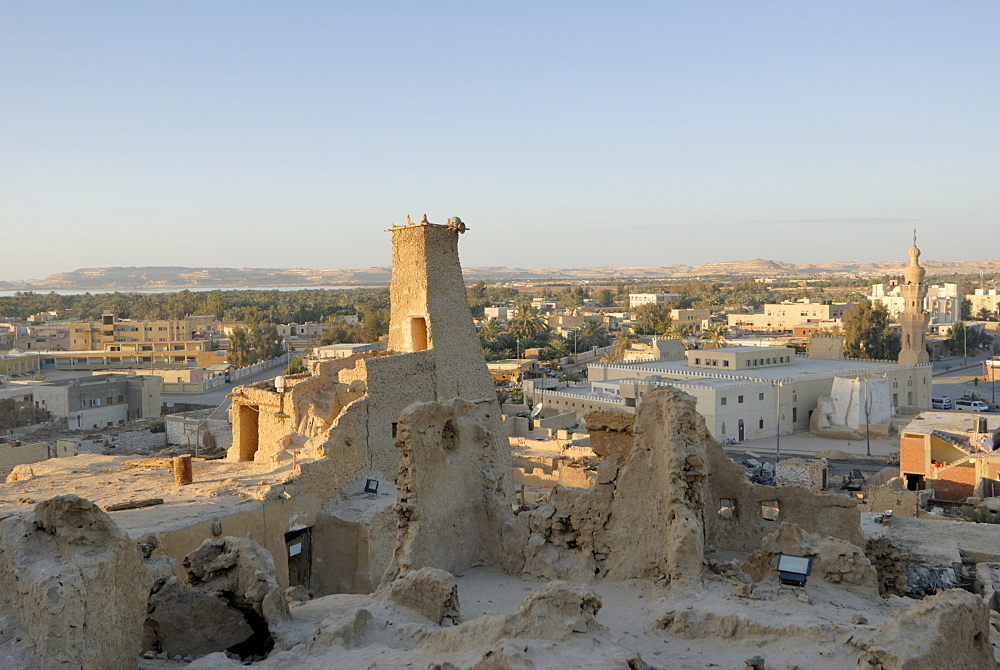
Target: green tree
239 353
605 298
651 319
591 334
683 333
716 335
527 322
265 342
867 333
295 366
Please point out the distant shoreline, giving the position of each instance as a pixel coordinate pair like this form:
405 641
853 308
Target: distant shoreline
198 289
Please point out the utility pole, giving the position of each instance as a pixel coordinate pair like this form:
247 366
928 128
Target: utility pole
868 419
777 425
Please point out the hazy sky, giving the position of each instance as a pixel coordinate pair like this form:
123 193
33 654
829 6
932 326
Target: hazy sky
565 134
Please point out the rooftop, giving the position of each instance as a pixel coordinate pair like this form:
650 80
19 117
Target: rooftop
951 422
801 367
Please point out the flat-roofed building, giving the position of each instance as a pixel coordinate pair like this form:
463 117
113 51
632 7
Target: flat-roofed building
739 389
100 401
658 299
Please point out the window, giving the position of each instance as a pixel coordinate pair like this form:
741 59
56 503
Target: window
760 424
770 510
395 427
725 363
722 401
739 400
760 396
795 414
727 508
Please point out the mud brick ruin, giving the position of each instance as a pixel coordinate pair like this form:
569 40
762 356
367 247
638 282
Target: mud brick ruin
366 517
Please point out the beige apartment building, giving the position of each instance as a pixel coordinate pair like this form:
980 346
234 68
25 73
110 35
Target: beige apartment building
694 320
988 299
783 317
93 335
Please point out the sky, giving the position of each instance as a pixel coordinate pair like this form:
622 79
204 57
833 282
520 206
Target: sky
565 134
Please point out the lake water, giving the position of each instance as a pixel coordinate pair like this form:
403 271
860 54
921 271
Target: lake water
8 294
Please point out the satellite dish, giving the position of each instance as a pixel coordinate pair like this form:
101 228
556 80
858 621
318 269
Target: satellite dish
536 411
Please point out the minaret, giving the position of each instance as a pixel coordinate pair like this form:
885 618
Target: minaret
914 318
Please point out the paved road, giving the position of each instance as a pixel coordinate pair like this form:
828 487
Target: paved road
954 378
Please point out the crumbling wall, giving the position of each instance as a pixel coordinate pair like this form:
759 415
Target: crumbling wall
658 485
678 486
662 492
455 490
352 545
903 503
890 561
747 523
833 560
611 432
75 585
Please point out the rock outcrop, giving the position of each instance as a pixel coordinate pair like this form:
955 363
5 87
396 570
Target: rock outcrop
946 630
184 620
75 585
244 571
430 592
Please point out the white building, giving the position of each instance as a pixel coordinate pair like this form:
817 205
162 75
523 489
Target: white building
658 299
943 302
743 392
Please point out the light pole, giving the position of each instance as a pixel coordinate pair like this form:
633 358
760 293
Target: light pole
965 345
868 418
777 424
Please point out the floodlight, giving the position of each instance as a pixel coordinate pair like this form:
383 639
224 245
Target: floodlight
793 570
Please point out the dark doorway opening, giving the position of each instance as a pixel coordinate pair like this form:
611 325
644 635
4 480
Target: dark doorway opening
298 544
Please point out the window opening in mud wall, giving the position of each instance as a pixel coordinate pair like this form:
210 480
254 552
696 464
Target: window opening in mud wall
727 508
418 333
769 510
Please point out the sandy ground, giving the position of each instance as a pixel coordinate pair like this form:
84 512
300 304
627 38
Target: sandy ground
219 488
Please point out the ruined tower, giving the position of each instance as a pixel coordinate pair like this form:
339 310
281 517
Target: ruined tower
430 310
914 318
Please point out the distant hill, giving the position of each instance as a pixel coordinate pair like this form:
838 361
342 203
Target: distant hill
179 278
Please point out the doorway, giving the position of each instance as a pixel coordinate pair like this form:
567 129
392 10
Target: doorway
741 430
298 544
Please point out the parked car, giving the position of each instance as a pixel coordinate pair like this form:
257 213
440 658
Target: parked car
942 402
971 405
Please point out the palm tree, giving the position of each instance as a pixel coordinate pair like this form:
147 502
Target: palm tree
557 347
716 335
490 332
527 322
684 334
592 334
623 342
